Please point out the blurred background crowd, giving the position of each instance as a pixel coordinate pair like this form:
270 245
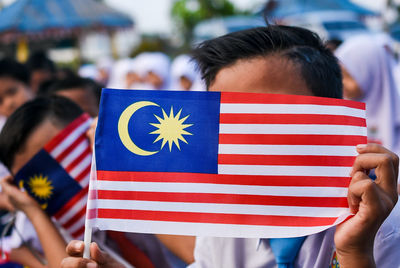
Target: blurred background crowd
74 48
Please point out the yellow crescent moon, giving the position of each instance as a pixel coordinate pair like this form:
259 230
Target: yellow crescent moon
123 127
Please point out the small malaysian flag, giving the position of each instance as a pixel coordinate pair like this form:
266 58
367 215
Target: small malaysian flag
223 164
58 176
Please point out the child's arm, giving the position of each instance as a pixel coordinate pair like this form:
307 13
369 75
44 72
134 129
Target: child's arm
24 256
182 246
370 201
51 240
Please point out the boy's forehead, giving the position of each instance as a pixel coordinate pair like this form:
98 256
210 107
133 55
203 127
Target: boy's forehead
270 74
7 81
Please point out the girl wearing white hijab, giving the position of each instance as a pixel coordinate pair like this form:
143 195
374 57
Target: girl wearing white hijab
156 66
118 74
368 77
183 73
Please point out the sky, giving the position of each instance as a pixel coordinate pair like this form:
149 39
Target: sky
153 16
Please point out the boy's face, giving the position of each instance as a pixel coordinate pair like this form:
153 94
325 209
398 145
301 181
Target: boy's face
35 142
261 75
13 94
85 99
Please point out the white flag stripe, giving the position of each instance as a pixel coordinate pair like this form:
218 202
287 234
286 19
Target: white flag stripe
210 188
222 208
74 153
284 170
77 225
291 129
81 166
203 229
85 181
70 139
73 210
233 108
250 149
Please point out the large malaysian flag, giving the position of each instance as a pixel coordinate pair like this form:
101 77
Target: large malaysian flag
223 164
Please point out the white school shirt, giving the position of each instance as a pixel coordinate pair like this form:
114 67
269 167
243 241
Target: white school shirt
317 250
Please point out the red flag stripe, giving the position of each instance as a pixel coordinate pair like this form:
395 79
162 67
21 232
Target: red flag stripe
61 136
289 139
266 200
78 159
229 97
72 202
71 148
301 181
196 217
78 233
291 119
286 160
83 174
75 218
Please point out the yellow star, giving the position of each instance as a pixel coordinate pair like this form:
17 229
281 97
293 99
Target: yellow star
40 186
171 129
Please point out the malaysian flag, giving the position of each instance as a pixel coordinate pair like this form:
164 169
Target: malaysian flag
223 164
58 176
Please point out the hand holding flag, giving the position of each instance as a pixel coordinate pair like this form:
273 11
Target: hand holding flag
370 201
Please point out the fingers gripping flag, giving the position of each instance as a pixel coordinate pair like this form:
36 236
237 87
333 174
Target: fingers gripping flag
223 164
58 176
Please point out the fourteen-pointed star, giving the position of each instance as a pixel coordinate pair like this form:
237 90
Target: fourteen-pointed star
171 129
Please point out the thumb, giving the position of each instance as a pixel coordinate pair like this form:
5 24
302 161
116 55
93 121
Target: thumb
97 254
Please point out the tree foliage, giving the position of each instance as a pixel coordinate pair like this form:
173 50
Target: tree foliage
187 13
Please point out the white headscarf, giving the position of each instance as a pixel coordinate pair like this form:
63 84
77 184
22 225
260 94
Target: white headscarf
371 66
137 66
88 71
118 74
158 63
182 66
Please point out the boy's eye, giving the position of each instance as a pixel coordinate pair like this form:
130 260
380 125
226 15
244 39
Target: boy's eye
11 91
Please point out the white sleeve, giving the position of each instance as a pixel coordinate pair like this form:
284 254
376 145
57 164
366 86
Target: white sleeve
387 241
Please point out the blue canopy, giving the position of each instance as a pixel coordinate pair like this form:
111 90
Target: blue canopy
282 8
30 16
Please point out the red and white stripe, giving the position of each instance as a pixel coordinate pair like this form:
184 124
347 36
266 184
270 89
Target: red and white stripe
283 170
71 149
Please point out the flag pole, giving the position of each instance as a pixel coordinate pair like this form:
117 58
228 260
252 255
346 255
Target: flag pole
87 239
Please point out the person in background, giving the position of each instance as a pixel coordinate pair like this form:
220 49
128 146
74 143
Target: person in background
183 73
156 68
135 76
104 66
41 69
83 91
26 131
88 71
14 86
367 67
118 74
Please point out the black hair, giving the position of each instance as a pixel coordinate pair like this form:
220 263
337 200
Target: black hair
39 61
71 83
319 67
20 125
10 68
